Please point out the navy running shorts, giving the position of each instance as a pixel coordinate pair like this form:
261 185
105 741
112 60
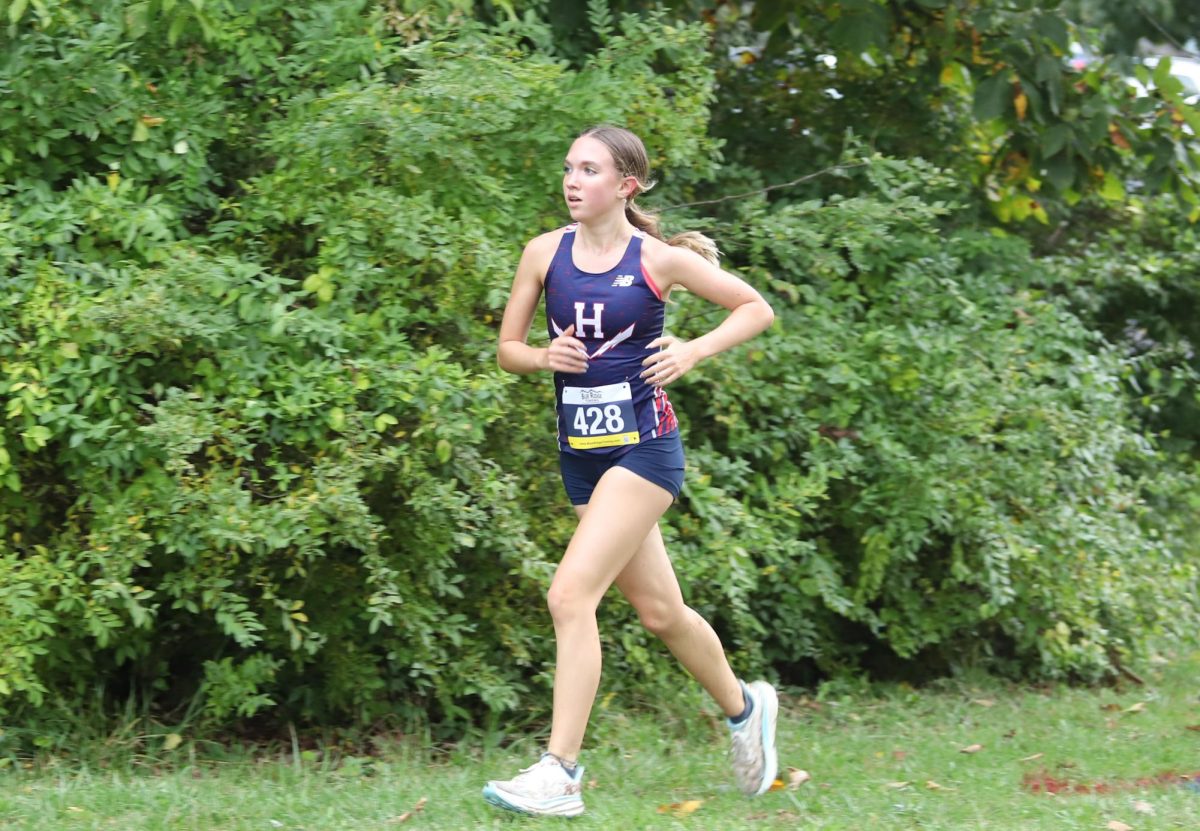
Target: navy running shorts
658 460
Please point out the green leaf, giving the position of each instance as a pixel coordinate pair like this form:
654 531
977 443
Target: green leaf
769 14
1053 28
1055 139
862 25
16 9
1060 172
337 419
444 450
140 131
1162 72
993 96
1113 189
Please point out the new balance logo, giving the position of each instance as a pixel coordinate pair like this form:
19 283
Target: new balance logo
623 280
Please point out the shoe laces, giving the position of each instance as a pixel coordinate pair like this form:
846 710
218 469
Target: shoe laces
545 760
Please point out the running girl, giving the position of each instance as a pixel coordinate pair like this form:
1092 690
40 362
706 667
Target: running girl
606 277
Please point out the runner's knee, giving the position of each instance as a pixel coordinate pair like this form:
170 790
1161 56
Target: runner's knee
662 618
567 600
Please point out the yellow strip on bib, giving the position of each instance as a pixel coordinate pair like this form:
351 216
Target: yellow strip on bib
611 440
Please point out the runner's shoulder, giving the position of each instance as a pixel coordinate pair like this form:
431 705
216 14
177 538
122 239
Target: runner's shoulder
539 251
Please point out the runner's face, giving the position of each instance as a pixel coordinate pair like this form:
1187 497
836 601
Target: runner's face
592 185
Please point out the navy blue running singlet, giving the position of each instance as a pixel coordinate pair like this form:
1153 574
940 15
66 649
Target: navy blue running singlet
609 408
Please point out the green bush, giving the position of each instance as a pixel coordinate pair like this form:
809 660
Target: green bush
258 460
940 462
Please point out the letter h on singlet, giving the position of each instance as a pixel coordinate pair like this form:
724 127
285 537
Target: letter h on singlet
581 321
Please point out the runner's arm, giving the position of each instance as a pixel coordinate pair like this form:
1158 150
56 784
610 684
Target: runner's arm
514 354
749 313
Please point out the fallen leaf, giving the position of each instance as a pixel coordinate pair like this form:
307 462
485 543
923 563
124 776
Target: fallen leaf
172 741
407 815
1195 727
1031 758
984 702
776 785
934 786
1117 825
797 777
1141 806
971 748
593 784
1110 708
681 809
1136 708
897 785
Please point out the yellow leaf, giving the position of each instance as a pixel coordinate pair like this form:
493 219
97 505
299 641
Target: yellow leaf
300 616
984 702
971 748
953 75
152 120
1021 104
172 741
1136 708
897 785
681 809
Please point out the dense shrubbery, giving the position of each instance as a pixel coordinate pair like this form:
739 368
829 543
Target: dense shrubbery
258 458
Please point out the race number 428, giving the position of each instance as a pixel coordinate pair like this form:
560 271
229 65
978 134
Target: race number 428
599 416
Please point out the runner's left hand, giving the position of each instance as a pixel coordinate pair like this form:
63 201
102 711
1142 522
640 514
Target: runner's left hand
674 358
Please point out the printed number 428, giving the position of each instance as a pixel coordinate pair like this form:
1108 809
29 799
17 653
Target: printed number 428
606 420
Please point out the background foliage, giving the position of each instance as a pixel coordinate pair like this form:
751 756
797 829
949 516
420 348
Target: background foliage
258 462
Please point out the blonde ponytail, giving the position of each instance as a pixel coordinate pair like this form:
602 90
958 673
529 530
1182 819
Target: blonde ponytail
692 240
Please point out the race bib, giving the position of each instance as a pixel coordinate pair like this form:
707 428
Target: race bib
599 416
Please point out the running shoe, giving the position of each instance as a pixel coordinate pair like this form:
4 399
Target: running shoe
753 750
544 789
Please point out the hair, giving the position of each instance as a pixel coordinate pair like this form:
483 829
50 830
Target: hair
629 154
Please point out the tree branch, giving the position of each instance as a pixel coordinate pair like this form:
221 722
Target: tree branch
792 183
1162 31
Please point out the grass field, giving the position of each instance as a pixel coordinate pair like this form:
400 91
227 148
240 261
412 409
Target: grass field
959 756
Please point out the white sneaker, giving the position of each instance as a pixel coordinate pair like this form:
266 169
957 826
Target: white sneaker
544 789
755 762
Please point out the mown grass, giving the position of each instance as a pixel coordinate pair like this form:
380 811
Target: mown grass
889 758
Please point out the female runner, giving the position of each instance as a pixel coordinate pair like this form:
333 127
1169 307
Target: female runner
605 277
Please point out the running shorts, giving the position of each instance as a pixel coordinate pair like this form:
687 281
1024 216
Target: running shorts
658 460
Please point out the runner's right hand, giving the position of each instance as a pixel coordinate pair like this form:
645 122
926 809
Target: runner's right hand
567 353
